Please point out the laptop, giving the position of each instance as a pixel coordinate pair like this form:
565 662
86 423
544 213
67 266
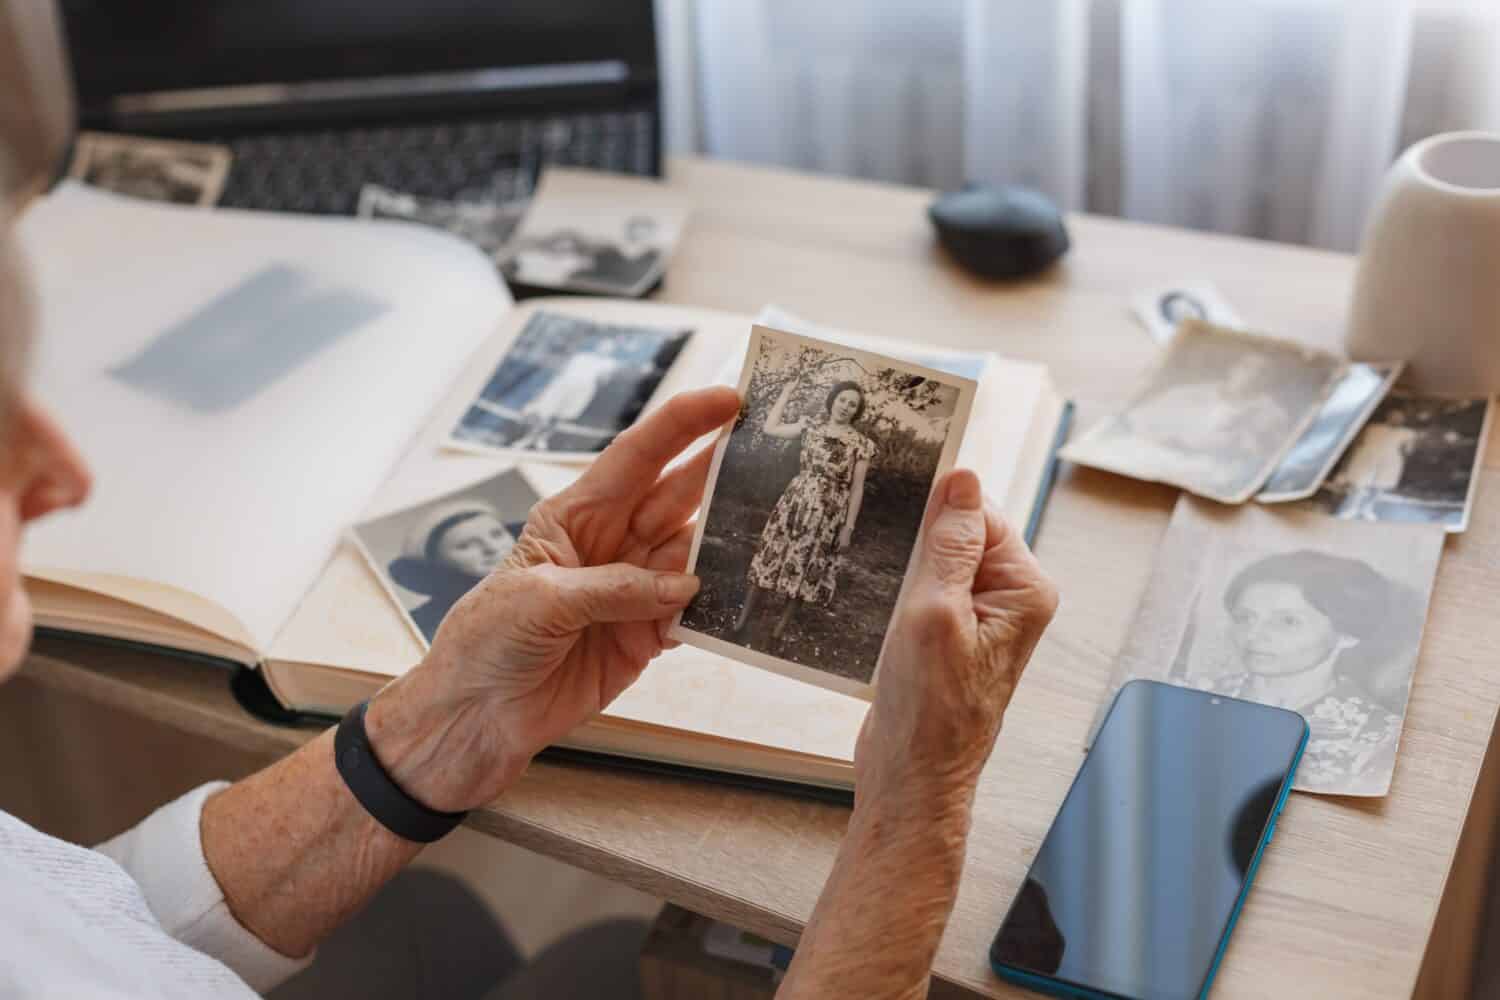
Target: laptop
316 98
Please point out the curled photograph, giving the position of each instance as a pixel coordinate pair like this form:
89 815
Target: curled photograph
1215 416
182 173
568 385
815 504
429 555
1298 611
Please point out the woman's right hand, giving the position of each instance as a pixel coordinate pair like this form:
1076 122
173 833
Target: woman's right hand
976 607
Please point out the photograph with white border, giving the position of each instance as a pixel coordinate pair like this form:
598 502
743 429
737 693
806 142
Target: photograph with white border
1216 414
1161 310
567 386
180 173
597 232
813 512
430 554
1416 460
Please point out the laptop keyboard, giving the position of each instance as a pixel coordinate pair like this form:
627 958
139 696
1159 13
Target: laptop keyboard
323 171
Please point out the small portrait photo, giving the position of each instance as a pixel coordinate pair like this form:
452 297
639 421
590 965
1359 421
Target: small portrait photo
1359 390
814 506
183 173
429 555
1298 611
1415 460
594 232
487 224
1215 416
1162 310
568 386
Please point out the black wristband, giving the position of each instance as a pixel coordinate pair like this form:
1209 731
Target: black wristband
377 792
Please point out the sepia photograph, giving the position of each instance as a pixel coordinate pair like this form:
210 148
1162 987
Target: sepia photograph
1417 459
1160 310
429 555
1359 390
487 224
183 173
568 386
1297 610
594 232
815 504
1215 416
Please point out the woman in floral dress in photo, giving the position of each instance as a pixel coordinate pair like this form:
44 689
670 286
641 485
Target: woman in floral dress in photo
813 521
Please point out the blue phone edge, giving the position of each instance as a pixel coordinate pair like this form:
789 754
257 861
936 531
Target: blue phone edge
1052 987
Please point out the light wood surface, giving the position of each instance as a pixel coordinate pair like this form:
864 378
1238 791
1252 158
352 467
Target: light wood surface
1347 899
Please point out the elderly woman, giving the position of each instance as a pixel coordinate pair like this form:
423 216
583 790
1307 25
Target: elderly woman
813 520
231 888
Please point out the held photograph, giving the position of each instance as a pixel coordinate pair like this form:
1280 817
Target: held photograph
1416 460
814 506
183 173
567 387
1215 416
1296 610
429 555
587 231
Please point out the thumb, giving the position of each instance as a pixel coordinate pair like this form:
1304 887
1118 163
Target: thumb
619 592
953 544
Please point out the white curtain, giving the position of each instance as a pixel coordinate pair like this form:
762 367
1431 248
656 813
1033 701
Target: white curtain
1270 118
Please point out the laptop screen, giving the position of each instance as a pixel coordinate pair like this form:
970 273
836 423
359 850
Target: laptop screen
144 46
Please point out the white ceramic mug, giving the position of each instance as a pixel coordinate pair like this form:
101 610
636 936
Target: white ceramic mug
1428 287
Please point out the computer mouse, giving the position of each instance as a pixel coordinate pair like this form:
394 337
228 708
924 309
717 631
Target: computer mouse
996 231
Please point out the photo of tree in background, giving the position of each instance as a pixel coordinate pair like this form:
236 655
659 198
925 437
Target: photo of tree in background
817 504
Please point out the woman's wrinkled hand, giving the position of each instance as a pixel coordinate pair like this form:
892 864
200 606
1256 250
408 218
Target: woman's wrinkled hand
964 632
570 620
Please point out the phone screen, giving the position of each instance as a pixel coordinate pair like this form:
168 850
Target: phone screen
1137 883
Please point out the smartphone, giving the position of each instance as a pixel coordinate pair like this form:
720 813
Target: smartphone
1138 883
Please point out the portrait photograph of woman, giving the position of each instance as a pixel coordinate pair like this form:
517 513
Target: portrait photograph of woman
815 506
429 555
1298 611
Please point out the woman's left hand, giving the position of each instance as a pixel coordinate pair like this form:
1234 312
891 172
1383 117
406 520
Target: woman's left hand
570 620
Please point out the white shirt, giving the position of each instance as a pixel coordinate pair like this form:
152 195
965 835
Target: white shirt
140 916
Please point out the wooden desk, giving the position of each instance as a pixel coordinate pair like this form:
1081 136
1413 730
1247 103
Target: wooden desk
1346 902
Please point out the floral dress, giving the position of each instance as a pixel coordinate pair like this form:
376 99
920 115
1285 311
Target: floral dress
798 553
1351 747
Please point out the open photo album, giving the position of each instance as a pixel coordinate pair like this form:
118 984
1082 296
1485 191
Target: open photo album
274 447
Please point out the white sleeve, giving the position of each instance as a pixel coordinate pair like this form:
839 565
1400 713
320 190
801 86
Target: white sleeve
164 854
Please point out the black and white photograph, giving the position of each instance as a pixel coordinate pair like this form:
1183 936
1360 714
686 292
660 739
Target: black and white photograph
1359 390
1161 310
568 386
429 555
815 504
1216 415
587 231
183 173
1299 611
1417 459
487 224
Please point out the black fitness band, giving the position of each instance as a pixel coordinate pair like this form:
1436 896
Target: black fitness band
382 797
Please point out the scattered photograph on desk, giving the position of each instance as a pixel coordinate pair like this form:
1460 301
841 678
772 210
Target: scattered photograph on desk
1161 310
487 224
588 231
1359 390
814 506
1417 459
183 173
429 555
1297 610
568 386
1216 415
